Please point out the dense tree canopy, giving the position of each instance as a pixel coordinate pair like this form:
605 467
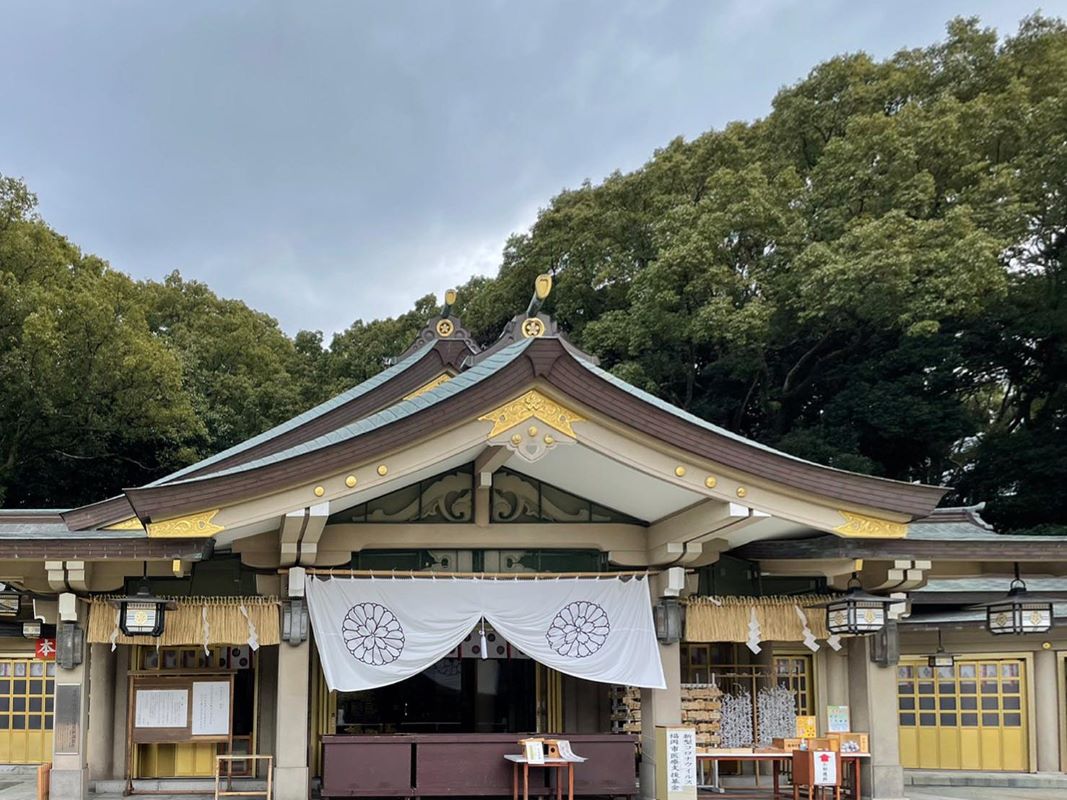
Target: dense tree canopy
872 277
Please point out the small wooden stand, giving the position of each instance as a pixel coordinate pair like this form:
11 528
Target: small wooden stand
558 764
229 790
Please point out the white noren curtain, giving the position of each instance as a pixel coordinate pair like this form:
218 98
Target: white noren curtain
374 632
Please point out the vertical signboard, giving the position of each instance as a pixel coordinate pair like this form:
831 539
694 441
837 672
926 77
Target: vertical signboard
66 724
676 763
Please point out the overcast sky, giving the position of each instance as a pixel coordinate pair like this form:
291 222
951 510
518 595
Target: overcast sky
326 161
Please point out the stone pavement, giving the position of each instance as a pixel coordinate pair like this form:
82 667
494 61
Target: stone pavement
20 784
981 793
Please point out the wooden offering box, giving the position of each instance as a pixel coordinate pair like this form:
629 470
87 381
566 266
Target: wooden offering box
814 768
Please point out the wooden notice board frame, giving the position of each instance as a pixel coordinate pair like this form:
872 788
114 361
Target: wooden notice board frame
172 735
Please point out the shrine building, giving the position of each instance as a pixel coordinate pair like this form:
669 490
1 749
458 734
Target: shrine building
387 592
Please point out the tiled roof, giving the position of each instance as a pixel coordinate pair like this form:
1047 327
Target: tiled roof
393 413
663 405
302 419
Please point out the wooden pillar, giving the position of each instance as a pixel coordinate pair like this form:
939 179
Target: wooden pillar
872 692
1047 709
101 712
291 736
69 778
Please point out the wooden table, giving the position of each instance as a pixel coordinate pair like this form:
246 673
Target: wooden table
776 759
553 763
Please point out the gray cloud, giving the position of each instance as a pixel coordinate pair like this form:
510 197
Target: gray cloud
326 161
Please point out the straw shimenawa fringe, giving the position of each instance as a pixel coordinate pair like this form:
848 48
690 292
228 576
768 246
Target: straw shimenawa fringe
184 625
708 621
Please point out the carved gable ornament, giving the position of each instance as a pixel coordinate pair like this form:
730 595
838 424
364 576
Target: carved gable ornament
192 526
860 526
515 425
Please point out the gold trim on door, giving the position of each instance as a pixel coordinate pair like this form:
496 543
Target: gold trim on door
971 716
548 691
27 688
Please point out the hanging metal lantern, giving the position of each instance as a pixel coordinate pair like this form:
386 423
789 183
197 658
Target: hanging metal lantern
142 614
1019 611
941 659
10 602
856 613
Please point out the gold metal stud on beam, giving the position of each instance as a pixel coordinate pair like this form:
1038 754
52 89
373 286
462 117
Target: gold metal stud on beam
382 469
350 481
679 471
741 491
710 481
319 491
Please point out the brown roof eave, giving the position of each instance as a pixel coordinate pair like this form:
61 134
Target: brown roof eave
914 500
447 354
98 515
548 359
171 500
104 549
827 546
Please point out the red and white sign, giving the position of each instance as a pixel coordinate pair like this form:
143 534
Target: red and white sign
45 650
824 771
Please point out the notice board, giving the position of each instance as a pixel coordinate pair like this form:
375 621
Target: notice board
181 709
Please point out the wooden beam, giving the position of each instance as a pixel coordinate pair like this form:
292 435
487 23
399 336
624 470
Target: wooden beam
313 527
832 547
488 461
697 523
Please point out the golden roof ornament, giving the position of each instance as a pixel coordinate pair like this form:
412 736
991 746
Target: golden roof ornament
532 327
445 327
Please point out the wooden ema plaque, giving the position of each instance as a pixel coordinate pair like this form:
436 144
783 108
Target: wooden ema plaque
817 770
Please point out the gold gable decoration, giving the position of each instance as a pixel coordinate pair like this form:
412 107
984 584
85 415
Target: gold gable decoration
860 526
191 526
131 524
708 621
532 405
184 625
444 377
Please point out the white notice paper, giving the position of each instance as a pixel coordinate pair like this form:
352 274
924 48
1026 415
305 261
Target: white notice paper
535 752
162 708
825 771
211 708
566 753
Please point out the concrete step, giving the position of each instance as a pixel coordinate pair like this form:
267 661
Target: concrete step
175 785
19 770
1003 780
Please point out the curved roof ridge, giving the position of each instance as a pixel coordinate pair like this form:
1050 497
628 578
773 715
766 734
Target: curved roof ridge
681 413
303 418
399 410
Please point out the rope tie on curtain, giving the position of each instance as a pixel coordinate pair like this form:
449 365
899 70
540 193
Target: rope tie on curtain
207 631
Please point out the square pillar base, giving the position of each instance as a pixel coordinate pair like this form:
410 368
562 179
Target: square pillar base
68 784
291 783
